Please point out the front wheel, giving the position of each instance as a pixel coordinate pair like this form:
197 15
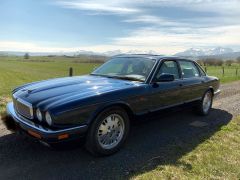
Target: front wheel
108 132
205 104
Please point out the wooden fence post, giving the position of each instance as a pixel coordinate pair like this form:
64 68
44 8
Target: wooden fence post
205 68
70 71
223 70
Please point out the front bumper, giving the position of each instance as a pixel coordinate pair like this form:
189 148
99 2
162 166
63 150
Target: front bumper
42 133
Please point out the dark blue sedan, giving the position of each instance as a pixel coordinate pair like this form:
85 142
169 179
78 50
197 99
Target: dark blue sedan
101 105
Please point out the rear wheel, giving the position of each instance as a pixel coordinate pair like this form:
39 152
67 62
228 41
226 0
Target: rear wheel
108 132
205 104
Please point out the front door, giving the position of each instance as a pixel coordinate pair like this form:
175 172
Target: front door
166 94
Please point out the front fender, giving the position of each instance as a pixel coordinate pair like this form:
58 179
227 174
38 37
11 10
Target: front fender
122 104
85 115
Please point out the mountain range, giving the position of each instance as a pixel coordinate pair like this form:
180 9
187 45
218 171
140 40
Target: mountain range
218 52
76 53
205 52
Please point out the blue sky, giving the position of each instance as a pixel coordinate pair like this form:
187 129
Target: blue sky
163 26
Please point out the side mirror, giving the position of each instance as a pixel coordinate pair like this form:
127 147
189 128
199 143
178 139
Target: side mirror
165 78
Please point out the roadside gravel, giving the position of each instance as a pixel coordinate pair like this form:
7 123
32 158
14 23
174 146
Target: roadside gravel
229 99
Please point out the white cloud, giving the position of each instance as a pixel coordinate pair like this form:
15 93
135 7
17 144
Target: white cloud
172 42
220 26
99 7
147 39
221 7
229 7
155 20
36 47
29 47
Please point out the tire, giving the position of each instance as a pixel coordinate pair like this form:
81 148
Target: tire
108 132
205 104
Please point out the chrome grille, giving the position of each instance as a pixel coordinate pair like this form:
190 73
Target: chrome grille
23 108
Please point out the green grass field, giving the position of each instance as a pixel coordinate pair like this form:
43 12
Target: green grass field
17 71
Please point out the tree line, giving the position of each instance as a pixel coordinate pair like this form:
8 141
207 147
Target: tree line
217 62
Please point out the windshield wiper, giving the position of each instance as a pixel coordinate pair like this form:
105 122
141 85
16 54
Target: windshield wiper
102 75
126 78
118 77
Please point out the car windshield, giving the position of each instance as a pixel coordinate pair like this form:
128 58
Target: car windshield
129 68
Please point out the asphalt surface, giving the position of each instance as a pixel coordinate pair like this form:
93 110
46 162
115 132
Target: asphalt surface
157 140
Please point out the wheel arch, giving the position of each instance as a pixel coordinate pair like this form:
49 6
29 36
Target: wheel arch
211 89
125 106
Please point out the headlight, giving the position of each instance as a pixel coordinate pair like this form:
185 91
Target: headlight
48 118
39 114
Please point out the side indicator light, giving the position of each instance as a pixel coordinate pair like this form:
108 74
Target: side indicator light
36 135
63 136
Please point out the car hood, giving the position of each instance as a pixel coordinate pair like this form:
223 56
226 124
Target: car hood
78 87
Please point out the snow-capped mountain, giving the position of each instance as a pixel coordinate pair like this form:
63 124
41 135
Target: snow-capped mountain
116 52
195 52
77 53
220 52
112 53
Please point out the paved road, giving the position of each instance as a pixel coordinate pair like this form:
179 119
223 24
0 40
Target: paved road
158 140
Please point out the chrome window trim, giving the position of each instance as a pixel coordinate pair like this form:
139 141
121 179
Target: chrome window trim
150 75
160 61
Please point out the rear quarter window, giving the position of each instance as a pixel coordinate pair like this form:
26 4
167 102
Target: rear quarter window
202 72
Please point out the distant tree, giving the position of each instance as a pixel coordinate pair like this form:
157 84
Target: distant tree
229 62
200 62
212 62
238 60
26 56
219 62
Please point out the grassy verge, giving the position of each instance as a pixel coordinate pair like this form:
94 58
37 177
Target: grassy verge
216 158
3 102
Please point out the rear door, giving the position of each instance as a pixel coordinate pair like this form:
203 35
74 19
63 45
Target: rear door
192 81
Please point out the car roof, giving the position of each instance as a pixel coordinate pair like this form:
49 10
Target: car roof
151 56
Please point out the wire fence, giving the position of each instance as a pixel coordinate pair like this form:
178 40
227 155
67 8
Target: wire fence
222 71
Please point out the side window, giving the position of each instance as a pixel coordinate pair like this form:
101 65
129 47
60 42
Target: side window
168 67
189 69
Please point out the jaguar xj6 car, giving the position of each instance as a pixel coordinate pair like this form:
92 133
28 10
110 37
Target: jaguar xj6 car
100 106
